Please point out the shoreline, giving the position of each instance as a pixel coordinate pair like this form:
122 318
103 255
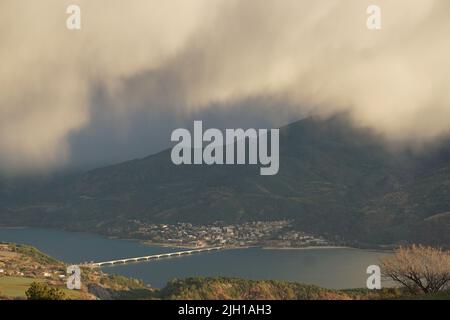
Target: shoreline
262 247
308 248
188 247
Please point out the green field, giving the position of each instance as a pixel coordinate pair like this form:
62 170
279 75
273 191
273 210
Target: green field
15 287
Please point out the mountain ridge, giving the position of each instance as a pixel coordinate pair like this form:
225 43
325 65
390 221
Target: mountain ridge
334 180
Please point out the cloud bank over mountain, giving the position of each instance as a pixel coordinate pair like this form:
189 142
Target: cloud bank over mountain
156 60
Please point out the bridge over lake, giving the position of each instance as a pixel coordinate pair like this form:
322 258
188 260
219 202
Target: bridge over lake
151 257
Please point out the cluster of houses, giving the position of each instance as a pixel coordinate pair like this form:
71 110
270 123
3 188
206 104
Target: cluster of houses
16 264
273 233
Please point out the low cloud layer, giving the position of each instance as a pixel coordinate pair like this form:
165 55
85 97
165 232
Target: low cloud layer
163 61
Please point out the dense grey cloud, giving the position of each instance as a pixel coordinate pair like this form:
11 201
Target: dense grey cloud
139 136
116 88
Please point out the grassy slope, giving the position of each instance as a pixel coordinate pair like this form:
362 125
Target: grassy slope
15 288
33 264
230 288
237 289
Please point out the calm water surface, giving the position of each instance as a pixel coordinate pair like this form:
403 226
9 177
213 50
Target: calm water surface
331 268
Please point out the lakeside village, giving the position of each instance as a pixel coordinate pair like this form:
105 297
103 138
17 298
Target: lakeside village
271 234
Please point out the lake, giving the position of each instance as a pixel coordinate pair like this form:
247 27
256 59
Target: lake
331 268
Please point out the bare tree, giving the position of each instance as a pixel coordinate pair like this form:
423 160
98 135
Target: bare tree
418 268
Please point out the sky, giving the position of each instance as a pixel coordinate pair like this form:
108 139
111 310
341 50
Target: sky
115 89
